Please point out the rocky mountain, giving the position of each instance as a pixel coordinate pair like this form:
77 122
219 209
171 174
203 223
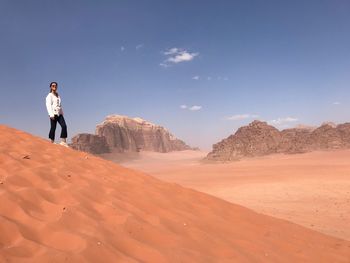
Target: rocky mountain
90 143
259 138
125 134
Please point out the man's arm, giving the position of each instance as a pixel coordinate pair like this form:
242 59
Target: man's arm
49 106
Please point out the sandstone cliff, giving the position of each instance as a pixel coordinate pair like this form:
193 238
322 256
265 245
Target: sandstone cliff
259 138
124 134
90 143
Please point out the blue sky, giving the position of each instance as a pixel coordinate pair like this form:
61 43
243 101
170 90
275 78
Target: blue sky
200 68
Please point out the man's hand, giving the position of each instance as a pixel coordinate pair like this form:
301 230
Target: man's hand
52 117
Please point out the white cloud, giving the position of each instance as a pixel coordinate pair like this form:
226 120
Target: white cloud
195 108
164 65
176 55
336 103
239 117
280 121
181 57
122 48
210 78
191 108
171 51
139 46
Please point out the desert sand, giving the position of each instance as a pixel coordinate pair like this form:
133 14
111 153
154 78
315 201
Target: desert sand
61 205
311 189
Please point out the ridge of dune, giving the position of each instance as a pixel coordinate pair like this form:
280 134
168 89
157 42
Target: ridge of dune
62 205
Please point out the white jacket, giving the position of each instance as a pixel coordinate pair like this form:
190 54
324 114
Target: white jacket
53 105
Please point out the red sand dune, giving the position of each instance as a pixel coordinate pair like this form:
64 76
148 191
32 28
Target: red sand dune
61 205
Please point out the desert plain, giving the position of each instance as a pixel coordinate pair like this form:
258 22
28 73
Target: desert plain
310 189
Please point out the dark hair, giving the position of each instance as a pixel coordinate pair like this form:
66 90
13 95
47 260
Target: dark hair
54 82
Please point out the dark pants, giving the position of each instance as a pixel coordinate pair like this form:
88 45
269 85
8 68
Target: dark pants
53 122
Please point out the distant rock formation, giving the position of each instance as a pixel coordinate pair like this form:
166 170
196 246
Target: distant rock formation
259 138
124 134
294 140
90 143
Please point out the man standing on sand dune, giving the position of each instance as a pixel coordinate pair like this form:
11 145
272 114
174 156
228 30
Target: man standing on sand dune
55 111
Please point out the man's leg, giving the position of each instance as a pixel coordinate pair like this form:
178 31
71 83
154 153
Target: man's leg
62 122
53 123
